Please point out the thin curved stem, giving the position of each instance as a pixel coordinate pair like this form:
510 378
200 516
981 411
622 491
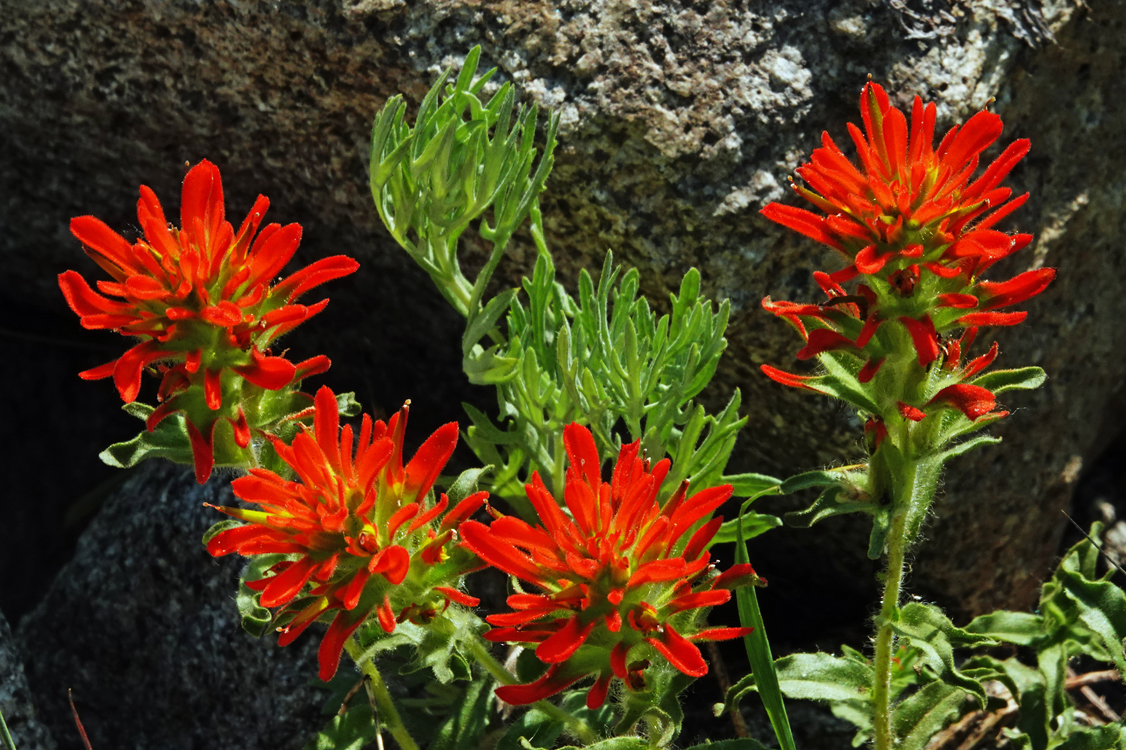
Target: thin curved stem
377 689
885 638
484 657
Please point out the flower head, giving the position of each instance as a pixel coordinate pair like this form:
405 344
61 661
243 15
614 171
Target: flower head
356 528
916 225
620 579
202 299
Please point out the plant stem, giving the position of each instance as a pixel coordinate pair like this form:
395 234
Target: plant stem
377 689
5 736
485 658
885 639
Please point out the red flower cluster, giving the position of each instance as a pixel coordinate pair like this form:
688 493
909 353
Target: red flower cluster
202 299
356 525
621 579
916 225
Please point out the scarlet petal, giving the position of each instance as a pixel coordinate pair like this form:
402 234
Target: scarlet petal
721 634
212 389
84 300
583 453
910 412
241 429
99 372
992 319
972 400
312 366
386 615
869 370
870 260
333 644
202 196
974 137
957 301
158 415
286 585
271 373
428 462
545 687
800 220
202 457
786 378
108 248
680 652
392 562
127 371
924 337
566 641
316 274
458 596
823 340
597 695
1016 289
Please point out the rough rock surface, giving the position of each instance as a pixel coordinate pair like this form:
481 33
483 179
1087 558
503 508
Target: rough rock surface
142 624
680 120
15 697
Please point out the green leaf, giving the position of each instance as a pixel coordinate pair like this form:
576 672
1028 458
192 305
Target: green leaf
1101 607
810 479
350 730
347 404
5 735
752 485
925 714
966 446
758 652
256 619
466 725
825 506
753 524
533 729
1110 737
742 744
841 383
1020 628
999 381
928 629
466 484
169 440
614 743
479 326
824 677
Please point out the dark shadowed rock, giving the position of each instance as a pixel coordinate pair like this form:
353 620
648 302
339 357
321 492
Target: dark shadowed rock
142 624
679 121
15 698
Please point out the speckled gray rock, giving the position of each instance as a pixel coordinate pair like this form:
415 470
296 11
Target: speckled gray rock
679 120
15 698
143 626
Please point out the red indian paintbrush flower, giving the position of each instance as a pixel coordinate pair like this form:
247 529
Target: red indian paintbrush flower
356 526
203 298
621 579
916 225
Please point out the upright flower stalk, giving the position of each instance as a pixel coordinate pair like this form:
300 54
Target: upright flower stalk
621 582
205 305
916 226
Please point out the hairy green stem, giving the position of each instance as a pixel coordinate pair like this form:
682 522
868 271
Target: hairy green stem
885 639
377 689
485 658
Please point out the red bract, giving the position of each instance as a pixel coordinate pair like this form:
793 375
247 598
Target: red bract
356 526
917 225
620 578
201 297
